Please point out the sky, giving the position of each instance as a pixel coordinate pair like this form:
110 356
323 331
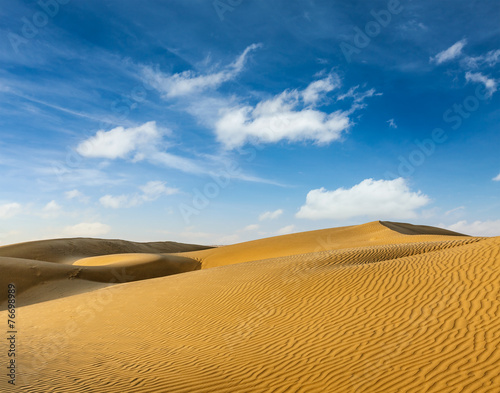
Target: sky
216 122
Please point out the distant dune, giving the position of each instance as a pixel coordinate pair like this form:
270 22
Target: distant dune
379 307
70 250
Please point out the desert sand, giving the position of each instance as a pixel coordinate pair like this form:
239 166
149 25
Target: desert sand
379 307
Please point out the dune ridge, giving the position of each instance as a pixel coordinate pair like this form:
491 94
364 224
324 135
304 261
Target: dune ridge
372 233
355 309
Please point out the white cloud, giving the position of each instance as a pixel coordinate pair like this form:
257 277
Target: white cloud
52 207
457 209
285 230
51 210
116 202
279 118
87 229
316 90
176 162
10 210
496 178
477 228
190 82
392 123
270 215
120 142
151 191
489 84
451 53
375 198
73 194
490 59
137 144
250 228
76 194
358 96
154 189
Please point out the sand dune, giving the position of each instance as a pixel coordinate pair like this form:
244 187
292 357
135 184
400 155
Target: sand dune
70 250
34 275
380 307
51 269
373 233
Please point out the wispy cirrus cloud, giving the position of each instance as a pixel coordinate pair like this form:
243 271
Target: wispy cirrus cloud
151 191
489 59
392 123
451 53
190 82
489 83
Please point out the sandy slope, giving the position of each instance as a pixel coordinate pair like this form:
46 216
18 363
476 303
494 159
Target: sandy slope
371 310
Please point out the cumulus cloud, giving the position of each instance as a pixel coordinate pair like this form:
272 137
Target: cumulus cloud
374 198
120 142
490 84
136 144
151 191
496 178
10 210
285 116
451 53
477 228
90 229
270 215
285 230
190 82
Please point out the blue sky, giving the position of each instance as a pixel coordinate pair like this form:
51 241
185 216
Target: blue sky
222 121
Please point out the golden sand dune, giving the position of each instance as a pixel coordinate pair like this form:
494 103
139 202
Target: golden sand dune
355 309
33 276
70 250
373 233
